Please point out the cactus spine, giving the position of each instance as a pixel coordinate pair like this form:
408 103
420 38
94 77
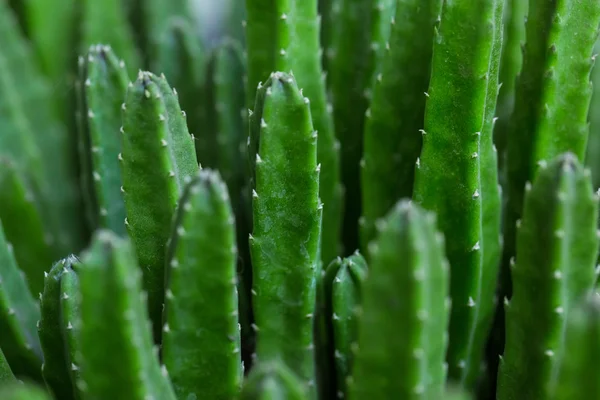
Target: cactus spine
407 281
286 186
115 331
202 294
157 159
392 137
556 254
457 137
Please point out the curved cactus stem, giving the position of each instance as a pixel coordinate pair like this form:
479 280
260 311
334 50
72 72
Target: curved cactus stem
408 281
202 294
392 136
19 314
456 175
56 369
286 186
101 91
115 332
554 268
273 381
157 159
70 300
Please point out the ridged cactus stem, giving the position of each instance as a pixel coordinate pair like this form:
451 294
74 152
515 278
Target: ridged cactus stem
292 28
552 99
56 369
201 295
6 375
553 271
101 90
157 160
284 244
357 43
19 313
343 286
408 281
70 300
392 137
116 334
456 174
577 376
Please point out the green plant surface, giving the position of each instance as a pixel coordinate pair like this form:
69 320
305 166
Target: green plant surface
116 334
56 368
96 16
577 377
343 282
23 225
157 159
392 137
592 159
102 86
292 28
357 43
557 245
70 313
407 283
23 391
273 381
6 375
19 314
181 56
201 338
456 174
287 212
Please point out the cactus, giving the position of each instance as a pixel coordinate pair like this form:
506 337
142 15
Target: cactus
23 225
101 89
202 294
56 368
20 391
465 56
70 301
115 331
293 29
286 186
556 254
392 137
353 61
157 159
407 254
342 285
577 378
592 159
19 314
273 381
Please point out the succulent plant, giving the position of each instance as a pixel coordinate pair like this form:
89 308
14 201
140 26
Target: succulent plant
331 199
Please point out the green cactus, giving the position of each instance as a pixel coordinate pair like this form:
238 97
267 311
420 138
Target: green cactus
577 376
19 314
157 159
392 137
70 301
201 295
293 30
101 90
51 330
408 281
554 268
286 205
342 286
273 381
456 174
115 332
357 43
23 391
